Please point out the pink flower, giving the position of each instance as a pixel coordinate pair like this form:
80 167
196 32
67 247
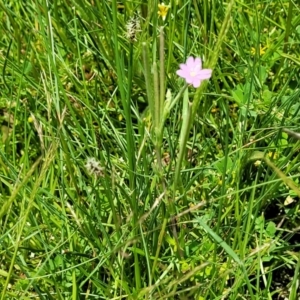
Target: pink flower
192 71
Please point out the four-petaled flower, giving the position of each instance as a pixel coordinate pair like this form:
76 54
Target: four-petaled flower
163 10
192 71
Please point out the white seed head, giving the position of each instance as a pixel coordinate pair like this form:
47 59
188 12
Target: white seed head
132 28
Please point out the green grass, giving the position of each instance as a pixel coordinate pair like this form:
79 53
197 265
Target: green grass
195 192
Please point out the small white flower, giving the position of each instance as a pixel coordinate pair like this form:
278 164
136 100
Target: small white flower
93 167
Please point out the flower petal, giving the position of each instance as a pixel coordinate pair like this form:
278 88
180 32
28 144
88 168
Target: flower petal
189 79
196 83
198 62
181 73
184 67
204 74
190 62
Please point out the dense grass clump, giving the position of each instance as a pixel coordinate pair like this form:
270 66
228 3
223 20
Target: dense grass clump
118 180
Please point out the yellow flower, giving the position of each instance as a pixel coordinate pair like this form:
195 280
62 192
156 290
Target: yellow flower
273 155
257 163
262 50
163 10
288 200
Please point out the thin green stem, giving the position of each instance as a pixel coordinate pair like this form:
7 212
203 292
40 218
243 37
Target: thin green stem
162 74
126 102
